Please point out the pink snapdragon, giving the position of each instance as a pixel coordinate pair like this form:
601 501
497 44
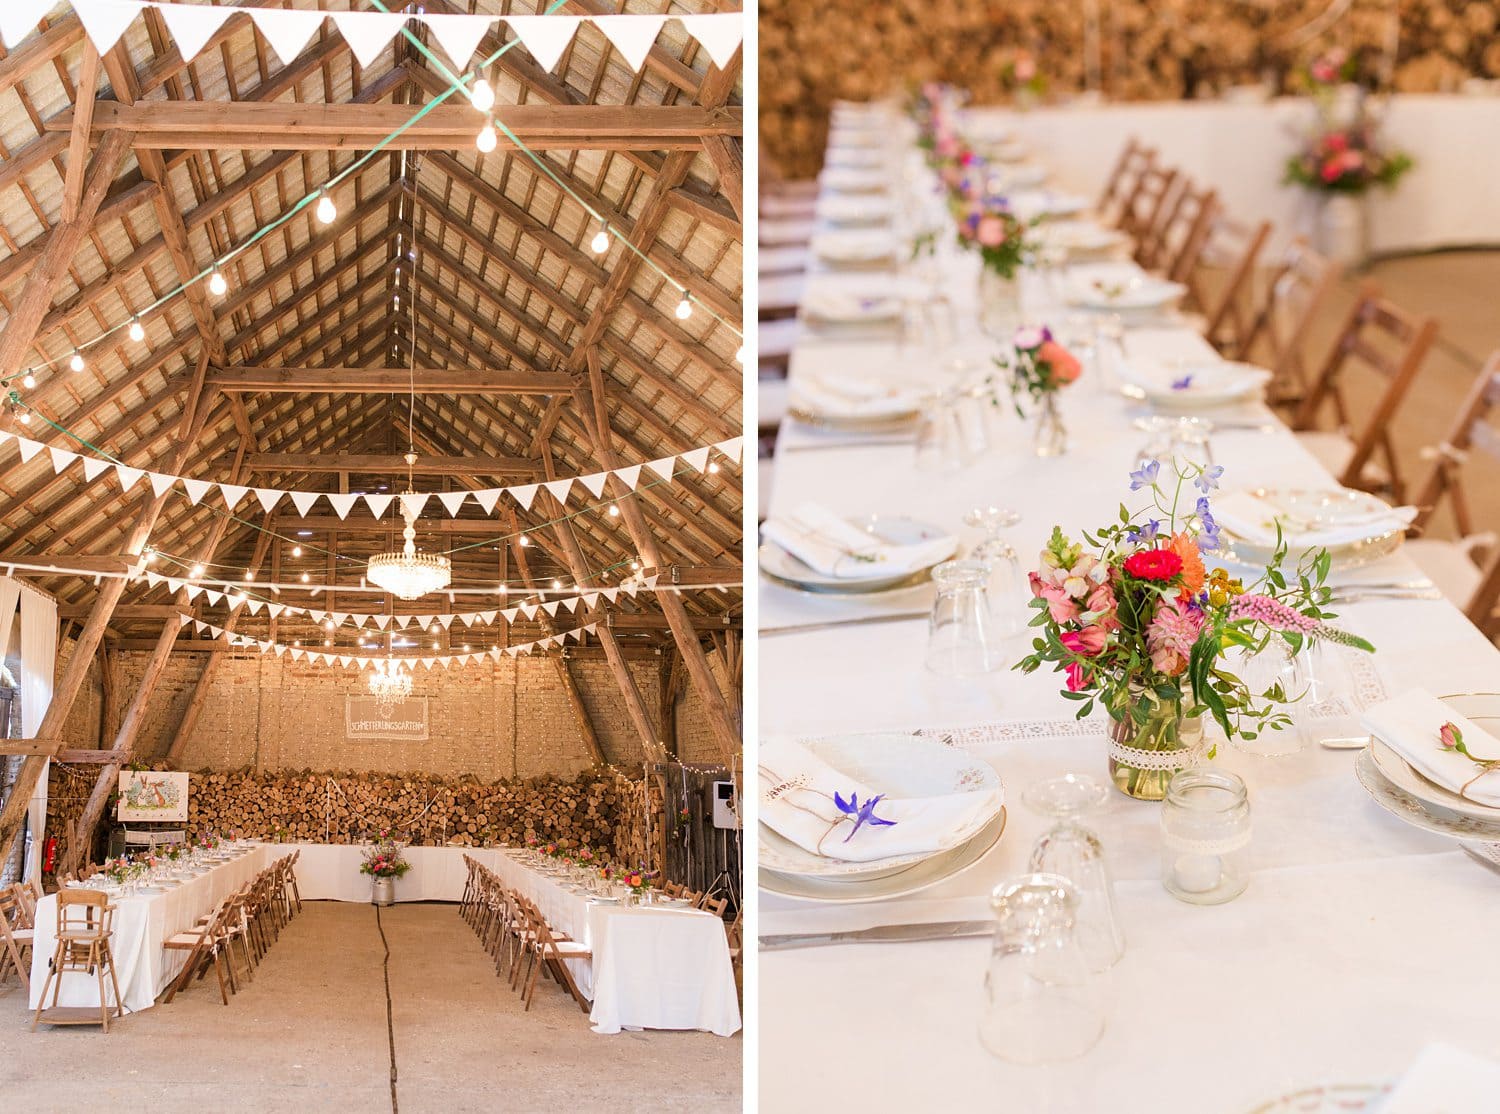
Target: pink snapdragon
1086 642
1273 613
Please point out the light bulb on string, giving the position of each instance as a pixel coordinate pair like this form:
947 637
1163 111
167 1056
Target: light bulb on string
296 551
217 284
482 95
525 540
197 571
76 363
487 139
600 242
137 330
713 466
614 511
306 579
327 212
24 417
28 381
739 354
684 308
248 576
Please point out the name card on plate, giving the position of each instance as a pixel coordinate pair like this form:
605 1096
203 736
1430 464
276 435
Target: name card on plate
366 718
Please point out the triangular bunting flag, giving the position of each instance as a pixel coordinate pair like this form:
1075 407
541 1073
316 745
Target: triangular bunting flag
214 598
378 503
733 448
287 31
459 35
194 591
487 498
200 626
338 617
196 490
275 609
663 467
93 467
382 621
571 604
652 579
344 660
468 619
268 498
192 25
127 476
413 503
524 495
255 606
446 620
18 18
368 33
560 489
632 35
528 610
486 617
61 458
175 585
452 500
591 600
697 460
343 504
298 655
106 20
29 448
550 607
161 484
232 494
595 482
545 37
304 500
719 32
630 477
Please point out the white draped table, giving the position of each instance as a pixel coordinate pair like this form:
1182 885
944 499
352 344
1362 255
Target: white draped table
143 922
1359 940
652 967
330 872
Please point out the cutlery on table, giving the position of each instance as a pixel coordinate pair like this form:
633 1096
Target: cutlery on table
884 934
1362 596
1347 742
863 620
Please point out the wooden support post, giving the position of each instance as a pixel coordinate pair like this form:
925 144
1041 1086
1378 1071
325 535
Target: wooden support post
724 153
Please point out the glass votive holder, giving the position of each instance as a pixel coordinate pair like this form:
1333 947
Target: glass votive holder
1205 836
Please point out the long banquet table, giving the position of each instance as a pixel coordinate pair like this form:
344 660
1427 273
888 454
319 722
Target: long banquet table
142 923
1358 941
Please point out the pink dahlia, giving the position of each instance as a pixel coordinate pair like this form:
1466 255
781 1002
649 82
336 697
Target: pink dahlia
1171 635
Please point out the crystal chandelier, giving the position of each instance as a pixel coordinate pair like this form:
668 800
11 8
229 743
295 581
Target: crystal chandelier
407 573
389 684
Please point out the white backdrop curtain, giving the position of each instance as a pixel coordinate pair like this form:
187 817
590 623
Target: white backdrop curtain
38 667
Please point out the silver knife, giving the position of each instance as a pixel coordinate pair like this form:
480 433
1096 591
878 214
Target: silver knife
802 628
883 934
1481 858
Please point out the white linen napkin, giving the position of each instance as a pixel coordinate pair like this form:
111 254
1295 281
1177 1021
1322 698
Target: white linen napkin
1409 725
830 395
845 308
853 246
1444 1078
1249 516
796 801
1198 380
822 540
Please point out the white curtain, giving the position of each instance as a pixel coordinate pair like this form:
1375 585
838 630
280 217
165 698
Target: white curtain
10 588
38 667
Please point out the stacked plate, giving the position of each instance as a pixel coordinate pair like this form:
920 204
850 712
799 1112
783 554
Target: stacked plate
1403 790
1353 526
1124 289
1194 385
863 209
854 247
778 565
896 765
1081 239
835 307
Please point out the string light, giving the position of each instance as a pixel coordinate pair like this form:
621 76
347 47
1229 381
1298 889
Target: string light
137 330
684 308
217 285
614 511
487 139
482 95
600 242
296 551
713 466
327 211
196 572
28 381
25 417
557 585
247 575
500 591
524 540
76 363
305 578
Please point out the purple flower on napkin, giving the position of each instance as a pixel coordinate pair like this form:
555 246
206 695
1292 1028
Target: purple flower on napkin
1182 384
862 813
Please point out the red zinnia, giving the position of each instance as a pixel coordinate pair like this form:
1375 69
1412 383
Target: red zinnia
1153 564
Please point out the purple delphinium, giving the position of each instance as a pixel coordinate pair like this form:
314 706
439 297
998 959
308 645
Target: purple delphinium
1145 475
1209 540
862 813
1146 533
1182 384
1208 479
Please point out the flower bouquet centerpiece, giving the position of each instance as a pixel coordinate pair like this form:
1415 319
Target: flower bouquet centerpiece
1025 79
1039 368
638 882
987 225
1136 623
384 862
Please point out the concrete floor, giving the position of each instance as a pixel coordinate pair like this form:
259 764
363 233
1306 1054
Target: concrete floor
310 1035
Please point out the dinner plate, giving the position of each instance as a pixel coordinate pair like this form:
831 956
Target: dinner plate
836 307
1402 774
854 247
1195 384
1415 811
868 210
1327 1098
780 566
1319 508
848 179
1080 238
1124 292
833 423
937 869
895 764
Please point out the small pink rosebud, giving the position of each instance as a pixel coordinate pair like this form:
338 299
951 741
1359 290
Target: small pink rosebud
1450 736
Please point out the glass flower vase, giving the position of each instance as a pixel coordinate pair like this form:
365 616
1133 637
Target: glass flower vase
1050 436
1150 742
999 304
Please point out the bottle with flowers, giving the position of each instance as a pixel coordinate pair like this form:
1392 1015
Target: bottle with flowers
1039 367
1137 624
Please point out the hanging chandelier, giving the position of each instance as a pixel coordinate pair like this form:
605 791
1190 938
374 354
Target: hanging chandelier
389 684
408 573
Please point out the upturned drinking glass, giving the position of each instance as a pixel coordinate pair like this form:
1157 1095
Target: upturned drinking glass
1074 852
1042 1003
1205 836
961 636
1007 583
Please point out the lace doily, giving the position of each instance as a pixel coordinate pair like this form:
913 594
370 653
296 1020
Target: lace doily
1138 759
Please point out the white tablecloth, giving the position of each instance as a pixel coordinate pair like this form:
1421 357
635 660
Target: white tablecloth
653 968
1344 957
330 872
1240 149
142 923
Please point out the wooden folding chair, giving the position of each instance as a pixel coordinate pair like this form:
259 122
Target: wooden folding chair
1134 158
1468 569
714 905
205 946
85 923
1173 250
1147 205
16 935
1390 342
1298 288
553 951
1223 281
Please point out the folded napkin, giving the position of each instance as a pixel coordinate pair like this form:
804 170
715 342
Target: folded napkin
1409 725
852 246
1253 517
869 209
822 540
839 396
797 791
847 179
841 307
1445 1079
1186 382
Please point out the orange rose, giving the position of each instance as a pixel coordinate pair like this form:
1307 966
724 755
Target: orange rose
1065 366
1193 572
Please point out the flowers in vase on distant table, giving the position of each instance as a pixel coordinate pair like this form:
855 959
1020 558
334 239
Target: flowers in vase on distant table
1039 365
383 858
1024 78
1346 160
1138 625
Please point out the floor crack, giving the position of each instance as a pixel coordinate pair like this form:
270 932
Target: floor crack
390 1016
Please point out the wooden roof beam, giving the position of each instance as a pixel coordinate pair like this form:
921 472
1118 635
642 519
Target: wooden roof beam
425 465
386 380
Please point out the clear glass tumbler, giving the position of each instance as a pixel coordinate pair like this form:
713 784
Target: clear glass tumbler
1076 853
1205 836
1007 583
961 636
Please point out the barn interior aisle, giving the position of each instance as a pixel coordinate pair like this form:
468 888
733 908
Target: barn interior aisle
370 532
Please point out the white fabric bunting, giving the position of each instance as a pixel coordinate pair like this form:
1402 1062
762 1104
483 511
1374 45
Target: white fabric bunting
452 501
127 476
458 35
94 467
232 494
733 448
663 467
61 458
286 30
18 18
268 498
192 25
697 459
196 489
160 483
630 477
719 32
378 503
343 503
524 495
368 33
487 499
632 35
105 20
595 483
304 500
560 489
413 503
545 37
29 448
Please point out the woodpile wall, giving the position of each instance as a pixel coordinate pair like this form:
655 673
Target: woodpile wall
812 54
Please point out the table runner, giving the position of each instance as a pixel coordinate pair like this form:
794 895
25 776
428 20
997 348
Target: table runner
1338 961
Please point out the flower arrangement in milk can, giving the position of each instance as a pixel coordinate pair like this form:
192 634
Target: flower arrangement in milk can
383 858
1138 625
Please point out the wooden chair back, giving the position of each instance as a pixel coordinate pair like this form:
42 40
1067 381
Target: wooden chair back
714 905
1147 204
1134 158
83 914
1232 251
1392 343
1175 247
1298 288
15 934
